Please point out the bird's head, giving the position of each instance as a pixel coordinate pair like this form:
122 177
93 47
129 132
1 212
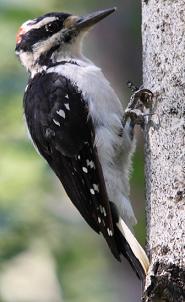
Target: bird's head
54 36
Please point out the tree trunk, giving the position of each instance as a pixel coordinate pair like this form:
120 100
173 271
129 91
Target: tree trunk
163 30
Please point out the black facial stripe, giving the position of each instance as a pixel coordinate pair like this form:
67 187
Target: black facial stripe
36 35
45 58
69 35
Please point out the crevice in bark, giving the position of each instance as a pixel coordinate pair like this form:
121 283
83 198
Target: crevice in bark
167 284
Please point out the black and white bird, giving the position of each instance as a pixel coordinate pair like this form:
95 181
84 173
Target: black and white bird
75 118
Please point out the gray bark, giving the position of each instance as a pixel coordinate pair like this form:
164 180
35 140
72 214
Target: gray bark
163 30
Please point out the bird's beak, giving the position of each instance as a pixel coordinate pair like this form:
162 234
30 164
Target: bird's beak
85 22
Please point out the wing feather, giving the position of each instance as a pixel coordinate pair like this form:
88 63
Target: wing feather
62 129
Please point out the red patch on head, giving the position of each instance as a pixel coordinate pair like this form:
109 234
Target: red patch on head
19 35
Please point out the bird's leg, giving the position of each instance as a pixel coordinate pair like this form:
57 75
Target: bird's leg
140 101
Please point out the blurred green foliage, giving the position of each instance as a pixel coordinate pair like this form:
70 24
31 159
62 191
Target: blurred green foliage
26 183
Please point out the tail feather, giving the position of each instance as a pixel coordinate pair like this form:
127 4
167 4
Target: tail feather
131 249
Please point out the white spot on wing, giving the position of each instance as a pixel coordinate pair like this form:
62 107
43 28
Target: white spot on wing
99 219
96 187
67 96
79 157
90 164
67 106
61 113
92 191
109 232
56 122
85 169
104 212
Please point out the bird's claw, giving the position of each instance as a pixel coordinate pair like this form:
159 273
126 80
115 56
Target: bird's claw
136 116
139 102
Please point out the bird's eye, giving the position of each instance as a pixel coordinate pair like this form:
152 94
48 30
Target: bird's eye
51 27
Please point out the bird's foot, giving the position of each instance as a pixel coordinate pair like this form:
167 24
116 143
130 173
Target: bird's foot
140 101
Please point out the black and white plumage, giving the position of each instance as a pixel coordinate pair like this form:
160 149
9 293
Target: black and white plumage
75 121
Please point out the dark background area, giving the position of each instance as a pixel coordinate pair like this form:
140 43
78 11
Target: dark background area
47 252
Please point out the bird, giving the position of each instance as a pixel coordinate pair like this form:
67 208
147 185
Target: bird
75 121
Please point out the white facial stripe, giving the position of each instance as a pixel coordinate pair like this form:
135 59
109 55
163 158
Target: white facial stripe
42 46
28 25
61 113
44 22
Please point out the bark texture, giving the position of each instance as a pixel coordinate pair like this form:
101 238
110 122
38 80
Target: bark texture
163 30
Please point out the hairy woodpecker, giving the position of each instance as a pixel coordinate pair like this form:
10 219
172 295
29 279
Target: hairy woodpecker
75 120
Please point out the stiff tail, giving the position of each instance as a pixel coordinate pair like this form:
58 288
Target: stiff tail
131 249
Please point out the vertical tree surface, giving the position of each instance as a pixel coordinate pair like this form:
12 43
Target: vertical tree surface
163 30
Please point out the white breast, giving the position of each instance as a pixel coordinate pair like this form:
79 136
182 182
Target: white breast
95 88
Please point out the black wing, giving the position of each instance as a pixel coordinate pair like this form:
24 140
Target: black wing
59 123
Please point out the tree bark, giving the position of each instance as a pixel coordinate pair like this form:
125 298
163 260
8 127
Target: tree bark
163 31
